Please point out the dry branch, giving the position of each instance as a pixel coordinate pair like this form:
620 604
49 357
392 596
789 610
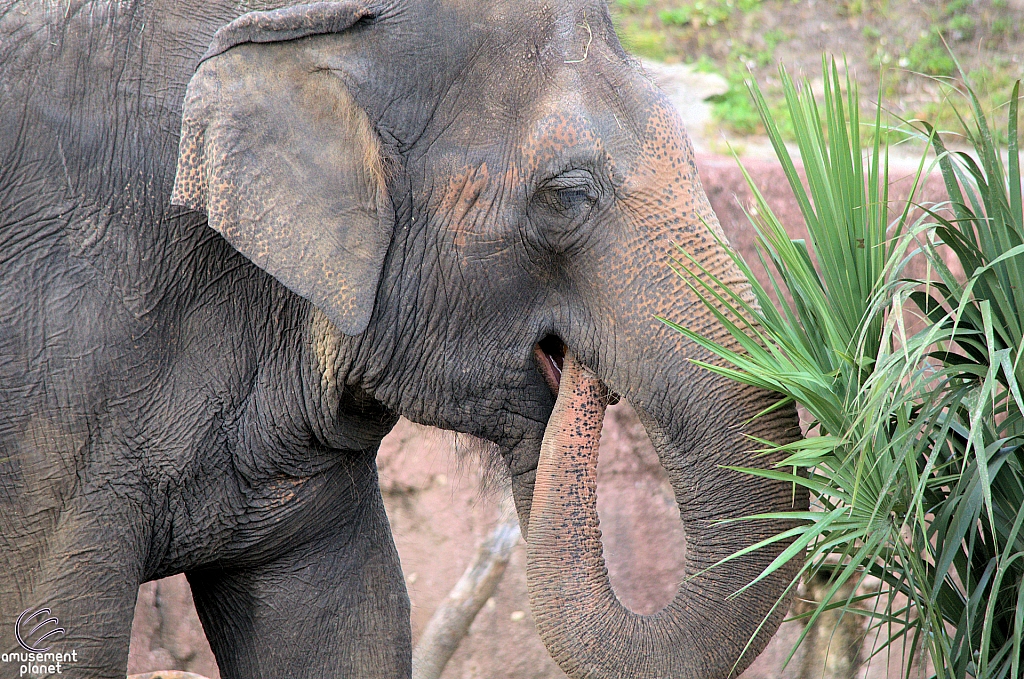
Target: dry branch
452 619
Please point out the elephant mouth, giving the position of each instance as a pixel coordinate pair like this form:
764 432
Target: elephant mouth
550 354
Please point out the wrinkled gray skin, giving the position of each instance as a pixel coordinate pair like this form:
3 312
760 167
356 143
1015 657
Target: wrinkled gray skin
168 406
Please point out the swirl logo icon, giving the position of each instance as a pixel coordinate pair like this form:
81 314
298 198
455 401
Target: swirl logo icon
38 629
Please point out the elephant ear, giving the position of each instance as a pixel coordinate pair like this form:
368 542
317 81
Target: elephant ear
286 166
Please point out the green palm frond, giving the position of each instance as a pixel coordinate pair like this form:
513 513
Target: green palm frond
915 459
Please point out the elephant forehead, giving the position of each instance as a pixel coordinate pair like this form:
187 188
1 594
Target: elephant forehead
525 21
518 63
557 141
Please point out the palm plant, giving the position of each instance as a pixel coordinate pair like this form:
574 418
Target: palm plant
914 457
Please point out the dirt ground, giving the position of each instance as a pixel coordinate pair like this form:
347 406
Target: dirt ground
914 46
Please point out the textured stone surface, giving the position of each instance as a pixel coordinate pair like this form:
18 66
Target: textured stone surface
167 634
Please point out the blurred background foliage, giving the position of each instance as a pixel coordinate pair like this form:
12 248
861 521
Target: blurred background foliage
904 41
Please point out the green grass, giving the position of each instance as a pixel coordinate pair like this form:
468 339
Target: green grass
644 43
734 109
928 55
915 461
705 12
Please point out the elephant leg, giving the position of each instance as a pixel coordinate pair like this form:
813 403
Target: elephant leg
73 597
333 607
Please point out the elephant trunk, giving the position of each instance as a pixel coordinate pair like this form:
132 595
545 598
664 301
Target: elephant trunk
703 632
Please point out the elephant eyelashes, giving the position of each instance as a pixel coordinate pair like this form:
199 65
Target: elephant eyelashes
570 195
572 199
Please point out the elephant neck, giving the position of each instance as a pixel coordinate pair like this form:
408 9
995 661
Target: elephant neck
343 412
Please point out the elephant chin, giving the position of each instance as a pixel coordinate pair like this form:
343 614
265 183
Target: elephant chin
588 632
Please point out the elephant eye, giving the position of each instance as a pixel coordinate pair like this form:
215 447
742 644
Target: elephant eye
570 193
573 199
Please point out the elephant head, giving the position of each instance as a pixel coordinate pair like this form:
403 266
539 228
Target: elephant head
484 199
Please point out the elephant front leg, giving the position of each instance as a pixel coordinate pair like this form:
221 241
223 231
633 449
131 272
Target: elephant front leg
333 607
67 598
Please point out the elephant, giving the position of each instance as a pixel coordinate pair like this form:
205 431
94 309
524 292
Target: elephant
239 240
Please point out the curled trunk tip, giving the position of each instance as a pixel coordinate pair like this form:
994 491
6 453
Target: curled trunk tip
702 632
